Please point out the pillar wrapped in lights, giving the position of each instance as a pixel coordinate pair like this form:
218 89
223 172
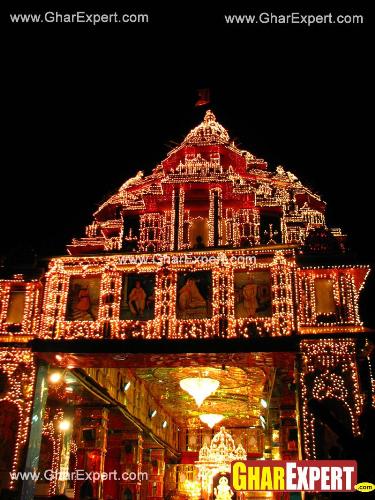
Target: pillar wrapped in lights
18 373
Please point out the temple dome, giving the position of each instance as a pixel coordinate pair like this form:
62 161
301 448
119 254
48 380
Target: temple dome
208 132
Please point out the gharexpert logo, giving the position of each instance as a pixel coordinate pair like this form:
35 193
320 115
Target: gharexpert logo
299 475
365 487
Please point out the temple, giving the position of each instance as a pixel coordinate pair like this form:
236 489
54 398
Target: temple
207 314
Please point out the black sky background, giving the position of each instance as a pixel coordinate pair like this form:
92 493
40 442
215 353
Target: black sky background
87 107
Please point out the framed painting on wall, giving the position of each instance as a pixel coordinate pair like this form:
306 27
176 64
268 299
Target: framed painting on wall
83 299
194 295
138 297
252 294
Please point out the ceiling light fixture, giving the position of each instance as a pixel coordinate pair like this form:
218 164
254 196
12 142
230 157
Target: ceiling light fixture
199 388
211 419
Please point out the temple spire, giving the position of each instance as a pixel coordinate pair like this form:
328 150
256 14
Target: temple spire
209 117
209 131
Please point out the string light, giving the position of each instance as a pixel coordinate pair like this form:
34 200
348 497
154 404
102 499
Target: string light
206 156
30 314
346 284
238 176
18 366
238 190
110 274
321 361
52 430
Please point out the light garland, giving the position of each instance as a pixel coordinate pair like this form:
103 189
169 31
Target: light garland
73 452
18 366
283 272
110 273
52 432
30 316
345 292
239 191
205 157
318 379
236 192
215 194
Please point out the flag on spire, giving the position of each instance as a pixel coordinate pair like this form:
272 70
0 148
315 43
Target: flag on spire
203 97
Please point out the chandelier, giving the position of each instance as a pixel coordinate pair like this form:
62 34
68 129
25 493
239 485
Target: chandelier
199 388
211 419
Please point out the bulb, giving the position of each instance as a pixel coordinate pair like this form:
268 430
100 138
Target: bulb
64 425
55 377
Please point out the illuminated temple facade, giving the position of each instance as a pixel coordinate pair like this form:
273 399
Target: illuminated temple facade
213 269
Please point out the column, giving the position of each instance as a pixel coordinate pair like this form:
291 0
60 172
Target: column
154 466
35 437
131 465
91 437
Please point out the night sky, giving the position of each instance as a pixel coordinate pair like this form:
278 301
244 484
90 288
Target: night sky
87 107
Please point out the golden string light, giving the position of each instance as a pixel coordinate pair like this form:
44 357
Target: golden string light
52 431
30 314
345 293
280 264
321 359
238 191
18 366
